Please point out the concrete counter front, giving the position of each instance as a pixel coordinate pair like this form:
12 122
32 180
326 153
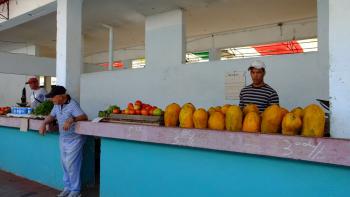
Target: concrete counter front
141 160
37 157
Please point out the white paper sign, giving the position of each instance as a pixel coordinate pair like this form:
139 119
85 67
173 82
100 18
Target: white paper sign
234 82
97 120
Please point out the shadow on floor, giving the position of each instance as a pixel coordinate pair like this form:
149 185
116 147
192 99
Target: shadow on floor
14 186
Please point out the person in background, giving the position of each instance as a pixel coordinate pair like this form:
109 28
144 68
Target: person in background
67 112
258 93
37 96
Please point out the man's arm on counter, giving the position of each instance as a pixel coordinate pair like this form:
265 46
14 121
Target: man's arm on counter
69 122
82 117
48 120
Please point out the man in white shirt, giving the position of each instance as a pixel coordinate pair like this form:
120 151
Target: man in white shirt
37 96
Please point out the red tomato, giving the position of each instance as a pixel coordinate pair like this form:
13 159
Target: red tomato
144 112
137 107
130 106
116 111
151 111
137 112
131 112
148 108
138 102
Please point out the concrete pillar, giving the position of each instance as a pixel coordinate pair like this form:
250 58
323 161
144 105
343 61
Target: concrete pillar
47 83
339 31
47 79
214 54
323 40
110 46
69 45
165 35
127 64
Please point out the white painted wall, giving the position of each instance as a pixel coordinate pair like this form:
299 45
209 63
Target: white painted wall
297 78
16 68
22 64
11 88
90 68
339 75
121 54
28 50
11 84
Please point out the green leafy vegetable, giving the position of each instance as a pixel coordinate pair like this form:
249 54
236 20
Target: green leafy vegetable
44 108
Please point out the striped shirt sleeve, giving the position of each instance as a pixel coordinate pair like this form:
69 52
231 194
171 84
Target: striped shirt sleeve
274 98
241 104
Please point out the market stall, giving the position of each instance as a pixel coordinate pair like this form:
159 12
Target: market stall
193 162
200 152
208 162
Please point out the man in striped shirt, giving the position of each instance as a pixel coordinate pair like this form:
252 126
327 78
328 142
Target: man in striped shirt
258 93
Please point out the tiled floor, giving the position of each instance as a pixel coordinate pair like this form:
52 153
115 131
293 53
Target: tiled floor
14 186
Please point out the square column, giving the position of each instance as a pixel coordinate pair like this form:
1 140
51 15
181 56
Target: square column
165 39
339 72
69 45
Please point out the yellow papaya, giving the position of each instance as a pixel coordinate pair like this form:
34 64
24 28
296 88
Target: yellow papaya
284 111
234 118
225 108
252 122
250 108
298 111
200 119
291 124
171 115
271 119
313 121
186 116
216 121
211 110
189 105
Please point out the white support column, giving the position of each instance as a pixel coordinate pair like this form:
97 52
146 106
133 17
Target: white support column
110 46
323 40
214 54
47 79
165 35
69 45
339 73
127 64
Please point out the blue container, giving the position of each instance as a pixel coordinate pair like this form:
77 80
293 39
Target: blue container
29 110
16 110
24 110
